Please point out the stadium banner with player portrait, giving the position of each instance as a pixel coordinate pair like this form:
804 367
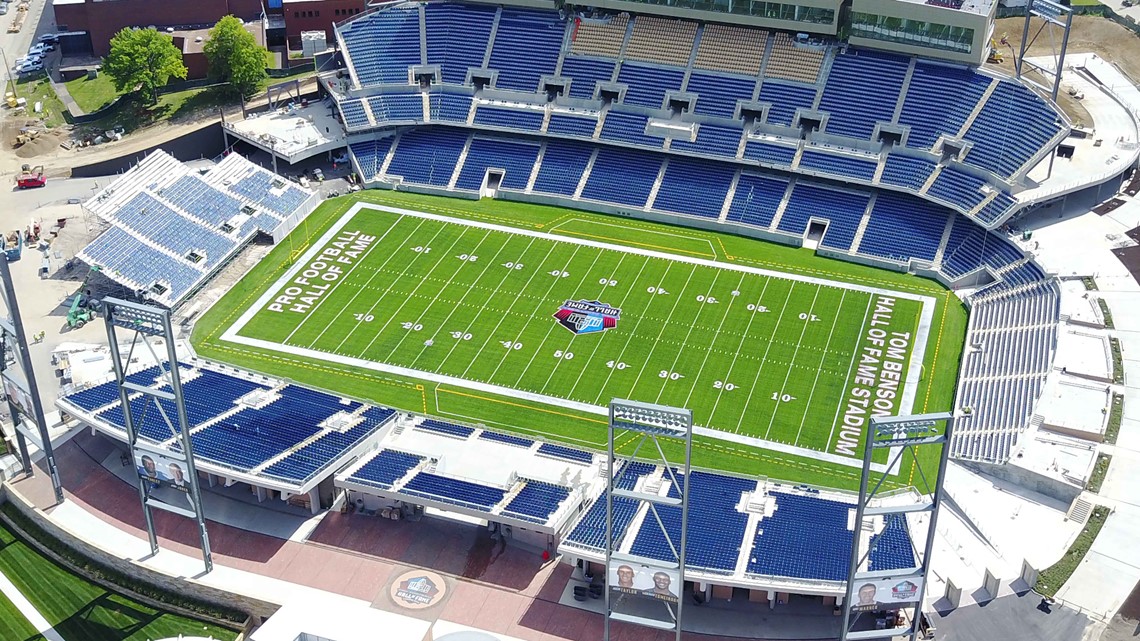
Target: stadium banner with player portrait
21 401
885 593
162 468
645 581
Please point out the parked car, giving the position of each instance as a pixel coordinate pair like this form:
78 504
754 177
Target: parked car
40 49
30 67
3 9
28 60
50 38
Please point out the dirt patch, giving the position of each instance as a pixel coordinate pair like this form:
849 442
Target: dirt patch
45 144
1090 34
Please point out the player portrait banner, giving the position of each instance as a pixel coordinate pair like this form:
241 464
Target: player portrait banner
885 594
18 395
587 316
164 469
644 581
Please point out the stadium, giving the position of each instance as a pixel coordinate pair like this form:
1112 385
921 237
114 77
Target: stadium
795 221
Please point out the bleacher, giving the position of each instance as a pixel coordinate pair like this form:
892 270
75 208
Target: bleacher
536 501
891 548
805 537
395 108
714 140
522 45
622 176
855 104
527 45
844 211
1010 341
901 228
562 166
756 200
694 187
386 467
515 158
428 156
457 37
171 227
716 528
279 438
382 45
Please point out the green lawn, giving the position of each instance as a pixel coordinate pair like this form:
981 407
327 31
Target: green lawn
13 625
722 359
39 90
82 611
92 95
1052 578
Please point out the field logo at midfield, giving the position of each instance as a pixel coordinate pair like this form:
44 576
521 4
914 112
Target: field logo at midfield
587 316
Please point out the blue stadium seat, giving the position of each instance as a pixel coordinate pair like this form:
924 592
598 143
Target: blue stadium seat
585 74
624 176
862 89
695 187
756 199
515 158
526 47
382 45
457 37
563 164
428 155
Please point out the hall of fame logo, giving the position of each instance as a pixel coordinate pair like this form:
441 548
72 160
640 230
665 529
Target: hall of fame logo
587 316
418 589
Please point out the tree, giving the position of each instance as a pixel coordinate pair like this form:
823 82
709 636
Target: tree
235 57
143 60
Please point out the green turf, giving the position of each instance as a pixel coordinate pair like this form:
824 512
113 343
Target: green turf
82 611
13 625
407 297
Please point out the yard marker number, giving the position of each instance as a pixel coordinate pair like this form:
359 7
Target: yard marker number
414 327
510 345
513 265
563 355
656 290
558 273
607 281
420 249
364 318
461 336
616 365
468 257
728 387
804 316
757 308
782 398
673 376
710 300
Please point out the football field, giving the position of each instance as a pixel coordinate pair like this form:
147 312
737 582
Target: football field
781 361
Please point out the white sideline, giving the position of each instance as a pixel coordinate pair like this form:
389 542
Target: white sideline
905 406
28 610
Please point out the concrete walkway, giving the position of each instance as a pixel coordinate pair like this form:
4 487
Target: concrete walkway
28 610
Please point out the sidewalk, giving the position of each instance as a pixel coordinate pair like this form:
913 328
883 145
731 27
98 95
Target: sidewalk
28 610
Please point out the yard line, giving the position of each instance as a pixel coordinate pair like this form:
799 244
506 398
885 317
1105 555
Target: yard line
420 284
684 341
792 365
708 352
819 369
764 359
598 344
482 308
571 343
850 368
486 265
359 261
491 334
375 273
645 313
736 352
668 319
549 329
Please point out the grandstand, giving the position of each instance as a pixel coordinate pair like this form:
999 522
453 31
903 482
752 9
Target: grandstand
636 91
173 227
244 427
